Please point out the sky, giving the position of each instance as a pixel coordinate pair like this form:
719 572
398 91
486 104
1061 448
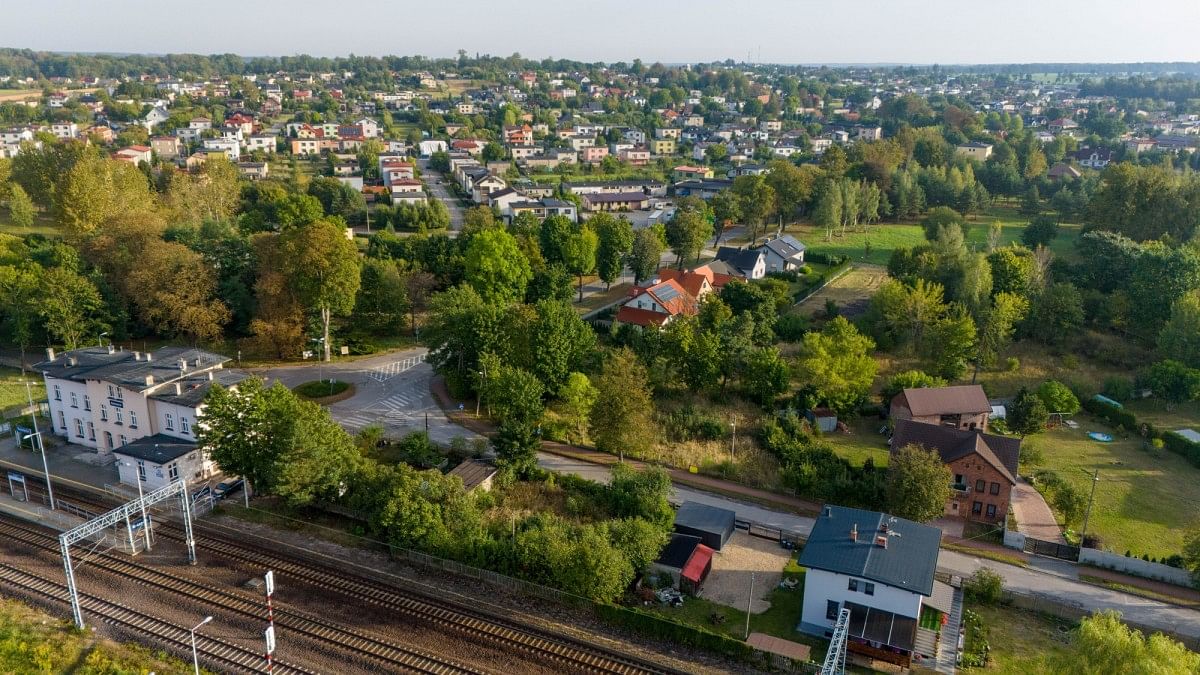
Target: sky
774 31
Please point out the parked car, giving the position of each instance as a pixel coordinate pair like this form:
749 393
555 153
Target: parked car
224 489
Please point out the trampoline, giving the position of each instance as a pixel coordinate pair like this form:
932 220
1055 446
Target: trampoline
1098 436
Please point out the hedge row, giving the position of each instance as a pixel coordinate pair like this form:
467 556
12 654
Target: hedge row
1120 417
653 626
831 259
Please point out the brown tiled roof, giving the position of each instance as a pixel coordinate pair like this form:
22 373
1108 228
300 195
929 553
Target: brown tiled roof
951 444
473 473
967 398
641 317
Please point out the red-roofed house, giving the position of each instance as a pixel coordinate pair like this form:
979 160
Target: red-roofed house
134 154
685 172
658 304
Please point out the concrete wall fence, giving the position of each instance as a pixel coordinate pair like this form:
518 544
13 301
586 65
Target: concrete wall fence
1014 539
1135 566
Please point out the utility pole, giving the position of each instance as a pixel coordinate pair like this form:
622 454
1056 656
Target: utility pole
195 657
40 445
732 440
749 599
1087 516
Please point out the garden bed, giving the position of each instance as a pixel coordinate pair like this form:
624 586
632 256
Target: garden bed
324 392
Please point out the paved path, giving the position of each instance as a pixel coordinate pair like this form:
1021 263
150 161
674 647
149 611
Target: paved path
1034 517
391 390
436 182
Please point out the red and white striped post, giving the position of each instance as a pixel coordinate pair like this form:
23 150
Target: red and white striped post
269 634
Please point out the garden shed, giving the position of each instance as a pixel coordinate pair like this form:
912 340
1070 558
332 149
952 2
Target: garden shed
823 419
712 524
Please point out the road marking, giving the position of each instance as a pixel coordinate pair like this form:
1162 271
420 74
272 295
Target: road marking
389 370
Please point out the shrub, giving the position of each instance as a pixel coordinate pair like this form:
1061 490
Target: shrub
791 327
986 587
321 388
1012 364
1118 389
689 424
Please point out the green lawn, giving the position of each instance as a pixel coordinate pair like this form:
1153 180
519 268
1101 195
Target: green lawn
864 441
1155 411
43 225
32 641
886 236
1145 499
780 620
13 391
1022 642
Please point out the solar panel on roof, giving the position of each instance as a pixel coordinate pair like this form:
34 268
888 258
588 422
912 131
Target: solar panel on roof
667 293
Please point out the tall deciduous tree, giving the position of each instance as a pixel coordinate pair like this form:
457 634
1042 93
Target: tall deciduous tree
496 268
20 207
918 484
579 254
838 363
174 292
686 233
646 254
70 306
622 416
559 343
1180 336
322 265
515 397
1027 414
99 189
615 242
21 299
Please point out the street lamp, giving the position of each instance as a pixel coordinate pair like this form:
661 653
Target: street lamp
40 446
141 500
1087 516
321 361
100 338
195 657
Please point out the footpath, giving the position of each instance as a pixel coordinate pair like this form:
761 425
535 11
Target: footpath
1144 601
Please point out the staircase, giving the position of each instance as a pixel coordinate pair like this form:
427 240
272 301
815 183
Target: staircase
947 653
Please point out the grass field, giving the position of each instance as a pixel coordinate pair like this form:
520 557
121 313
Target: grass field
1155 411
43 225
885 237
12 388
32 641
1145 500
851 291
1022 642
863 441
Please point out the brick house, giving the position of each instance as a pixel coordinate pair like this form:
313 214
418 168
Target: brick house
984 466
961 407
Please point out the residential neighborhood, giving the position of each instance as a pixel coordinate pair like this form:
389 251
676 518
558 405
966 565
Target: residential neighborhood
615 360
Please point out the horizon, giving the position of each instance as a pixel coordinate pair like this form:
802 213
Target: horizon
786 32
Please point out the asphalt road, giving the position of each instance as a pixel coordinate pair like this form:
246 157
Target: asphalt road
393 390
436 182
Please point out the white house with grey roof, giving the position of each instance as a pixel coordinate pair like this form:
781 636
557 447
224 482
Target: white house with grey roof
783 253
113 400
880 568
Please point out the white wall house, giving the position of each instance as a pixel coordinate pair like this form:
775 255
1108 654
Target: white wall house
110 400
880 568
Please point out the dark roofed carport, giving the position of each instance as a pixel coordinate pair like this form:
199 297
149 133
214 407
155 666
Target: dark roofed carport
713 525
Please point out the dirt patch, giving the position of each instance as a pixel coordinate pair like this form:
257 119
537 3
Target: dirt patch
729 582
851 291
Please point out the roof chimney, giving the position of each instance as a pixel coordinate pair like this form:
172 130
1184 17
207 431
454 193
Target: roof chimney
854 532
149 380
111 348
210 376
137 356
72 361
49 353
183 365
147 356
178 389
881 541
828 512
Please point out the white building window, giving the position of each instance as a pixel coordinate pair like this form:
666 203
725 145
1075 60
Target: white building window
132 420
87 402
173 473
184 426
103 413
91 431
57 393
120 416
124 442
108 440
62 419
74 400
170 422
111 394
141 469
79 428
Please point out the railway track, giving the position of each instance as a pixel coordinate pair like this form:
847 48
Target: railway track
453 616
227 655
379 651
